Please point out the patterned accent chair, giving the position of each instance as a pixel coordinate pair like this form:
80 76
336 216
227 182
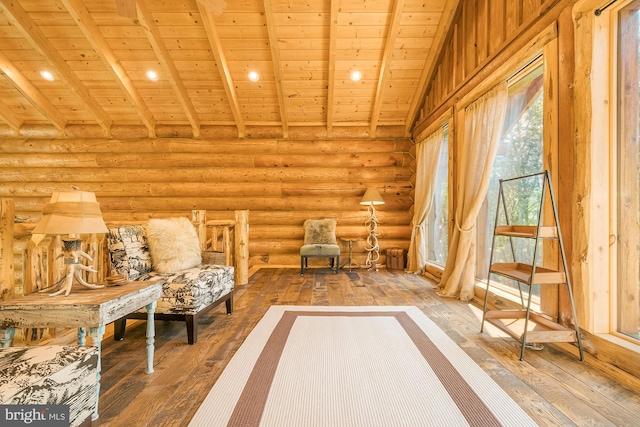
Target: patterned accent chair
186 294
320 242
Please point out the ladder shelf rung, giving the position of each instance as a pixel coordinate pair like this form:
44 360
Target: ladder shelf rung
522 273
539 330
527 231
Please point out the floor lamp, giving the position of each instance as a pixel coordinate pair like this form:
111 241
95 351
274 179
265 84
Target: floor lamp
72 213
372 199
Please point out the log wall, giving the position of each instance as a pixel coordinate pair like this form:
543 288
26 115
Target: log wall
281 183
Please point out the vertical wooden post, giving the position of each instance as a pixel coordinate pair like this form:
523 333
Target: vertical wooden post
570 167
33 269
213 244
241 247
550 253
93 250
200 218
7 280
226 246
55 263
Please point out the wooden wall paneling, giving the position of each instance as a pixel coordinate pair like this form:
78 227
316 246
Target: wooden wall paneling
459 57
438 91
482 30
528 37
447 70
470 25
496 27
513 17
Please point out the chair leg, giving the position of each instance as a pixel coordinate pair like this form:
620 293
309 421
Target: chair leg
229 303
118 329
337 263
302 265
192 328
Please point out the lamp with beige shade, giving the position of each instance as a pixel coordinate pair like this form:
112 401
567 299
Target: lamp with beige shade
71 213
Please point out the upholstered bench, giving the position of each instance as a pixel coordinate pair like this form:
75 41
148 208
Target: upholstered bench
169 249
51 375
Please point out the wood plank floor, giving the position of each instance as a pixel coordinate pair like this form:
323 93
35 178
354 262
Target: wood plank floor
552 386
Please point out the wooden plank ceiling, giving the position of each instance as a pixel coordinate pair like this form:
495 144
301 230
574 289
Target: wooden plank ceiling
99 53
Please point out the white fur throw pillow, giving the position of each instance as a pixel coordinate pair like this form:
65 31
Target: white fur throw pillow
174 244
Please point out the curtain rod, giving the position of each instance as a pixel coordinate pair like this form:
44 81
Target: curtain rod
598 12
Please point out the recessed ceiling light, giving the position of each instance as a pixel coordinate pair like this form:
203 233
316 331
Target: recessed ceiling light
152 75
254 76
46 75
356 75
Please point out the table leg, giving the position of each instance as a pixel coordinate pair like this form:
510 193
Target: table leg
96 338
82 334
151 333
6 337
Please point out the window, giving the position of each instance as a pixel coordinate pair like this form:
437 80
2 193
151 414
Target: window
519 153
438 220
628 173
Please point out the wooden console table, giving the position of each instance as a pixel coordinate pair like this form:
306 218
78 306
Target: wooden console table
83 308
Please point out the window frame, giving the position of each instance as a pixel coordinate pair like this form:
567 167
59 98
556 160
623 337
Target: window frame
607 322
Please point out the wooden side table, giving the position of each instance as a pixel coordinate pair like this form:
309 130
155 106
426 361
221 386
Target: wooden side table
350 241
83 308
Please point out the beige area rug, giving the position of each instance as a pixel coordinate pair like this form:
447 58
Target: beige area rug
354 366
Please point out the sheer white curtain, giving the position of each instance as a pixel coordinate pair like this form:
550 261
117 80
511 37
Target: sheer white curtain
427 156
483 124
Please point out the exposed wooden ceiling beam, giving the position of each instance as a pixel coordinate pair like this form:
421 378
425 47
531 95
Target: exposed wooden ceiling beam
275 58
19 18
32 93
331 85
91 31
223 67
392 34
161 51
444 24
11 119
215 6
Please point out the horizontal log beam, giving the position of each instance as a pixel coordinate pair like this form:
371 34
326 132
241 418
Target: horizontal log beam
211 174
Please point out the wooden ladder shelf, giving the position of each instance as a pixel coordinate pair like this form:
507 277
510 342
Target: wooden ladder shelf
523 324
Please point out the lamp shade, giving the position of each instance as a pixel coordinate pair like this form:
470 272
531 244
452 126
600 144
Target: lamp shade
372 197
71 212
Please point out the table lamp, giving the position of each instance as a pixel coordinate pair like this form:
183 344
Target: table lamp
372 199
72 213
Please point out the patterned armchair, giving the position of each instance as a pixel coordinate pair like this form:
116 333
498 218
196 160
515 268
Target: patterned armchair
163 251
